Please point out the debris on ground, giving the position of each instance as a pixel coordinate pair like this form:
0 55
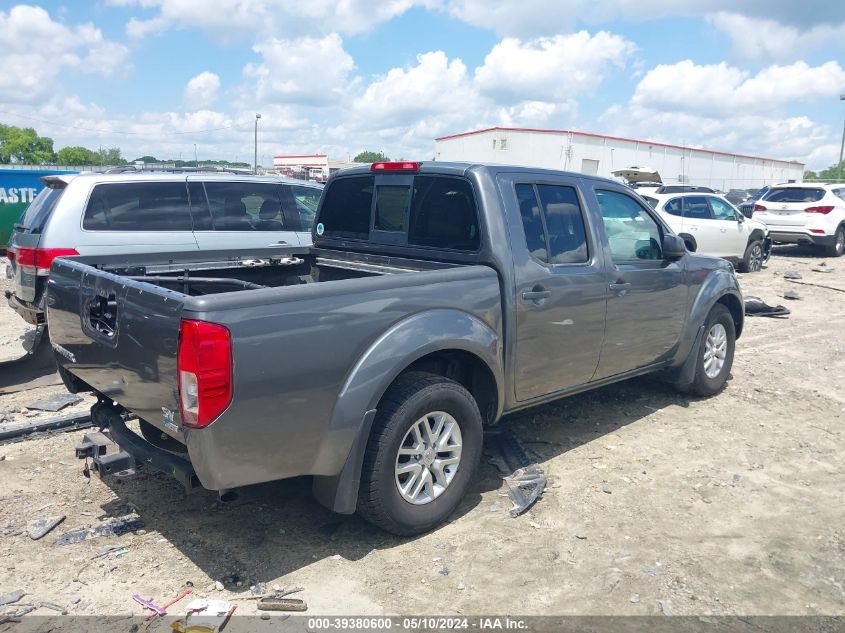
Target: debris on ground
53 607
792 295
524 479
204 616
823 268
113 527
11 597
39 528
755 306
166 606
792 274
282 604
149 604
55 403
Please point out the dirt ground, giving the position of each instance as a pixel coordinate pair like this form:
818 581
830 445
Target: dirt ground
657 503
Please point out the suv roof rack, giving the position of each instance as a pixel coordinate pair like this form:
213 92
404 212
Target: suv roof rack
126 169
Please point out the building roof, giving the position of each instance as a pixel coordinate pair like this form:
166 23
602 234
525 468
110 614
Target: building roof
302 156
613 138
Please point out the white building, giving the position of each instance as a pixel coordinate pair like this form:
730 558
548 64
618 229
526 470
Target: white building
309 166
600 155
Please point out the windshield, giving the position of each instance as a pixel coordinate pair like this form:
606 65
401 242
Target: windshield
794 194
36 214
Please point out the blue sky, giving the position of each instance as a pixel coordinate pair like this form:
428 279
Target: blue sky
158 76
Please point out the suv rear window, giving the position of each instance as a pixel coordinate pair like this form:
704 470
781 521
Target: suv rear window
441 214
794 194
245 206
35 216
138 206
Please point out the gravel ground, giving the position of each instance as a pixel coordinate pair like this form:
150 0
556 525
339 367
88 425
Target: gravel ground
657 503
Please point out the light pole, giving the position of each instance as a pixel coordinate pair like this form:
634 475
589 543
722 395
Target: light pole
255 168
196 160
842 146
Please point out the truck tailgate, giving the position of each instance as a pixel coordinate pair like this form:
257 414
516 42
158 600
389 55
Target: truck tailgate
119 336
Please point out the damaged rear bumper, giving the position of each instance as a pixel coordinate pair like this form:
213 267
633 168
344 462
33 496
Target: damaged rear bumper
122 451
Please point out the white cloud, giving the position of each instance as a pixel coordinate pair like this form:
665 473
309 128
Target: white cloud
201 91
551 69
303 71
764 39
724 90
35 49
229 19
532 18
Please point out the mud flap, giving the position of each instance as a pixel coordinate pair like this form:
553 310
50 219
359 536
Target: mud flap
36 368
524 479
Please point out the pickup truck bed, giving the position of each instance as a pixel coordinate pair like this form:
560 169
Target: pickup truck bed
317 314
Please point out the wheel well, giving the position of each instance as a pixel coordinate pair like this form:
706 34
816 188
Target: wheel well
468 370
737 311
756 234
689 241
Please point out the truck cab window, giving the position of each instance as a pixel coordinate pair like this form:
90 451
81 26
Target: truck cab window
632 233
554 227
346 208
443 214
532 223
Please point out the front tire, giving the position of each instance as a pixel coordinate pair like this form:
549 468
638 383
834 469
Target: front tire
422 454
838 247
752 260
715 353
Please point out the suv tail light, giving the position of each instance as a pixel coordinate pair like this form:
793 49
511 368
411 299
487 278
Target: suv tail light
395 166
758 207
40 259
823 210
204 367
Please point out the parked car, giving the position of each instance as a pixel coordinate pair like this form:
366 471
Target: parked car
805 213
104 214
642 179
436 298
711 225
683 189
747 207
737 196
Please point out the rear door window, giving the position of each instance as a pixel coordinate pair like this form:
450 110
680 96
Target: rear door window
35 216
138 206
794 194
554 226
245 206
306 200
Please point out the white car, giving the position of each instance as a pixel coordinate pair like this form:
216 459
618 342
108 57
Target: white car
711 225
805 213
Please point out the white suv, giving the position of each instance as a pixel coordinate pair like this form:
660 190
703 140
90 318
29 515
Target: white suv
805 213
711 225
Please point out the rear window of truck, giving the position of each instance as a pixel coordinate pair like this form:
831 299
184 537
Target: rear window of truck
431 211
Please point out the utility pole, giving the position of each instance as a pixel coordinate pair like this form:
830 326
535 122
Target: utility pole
842 146
196 161
255 164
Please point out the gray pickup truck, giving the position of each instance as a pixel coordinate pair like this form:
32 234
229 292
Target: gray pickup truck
436 297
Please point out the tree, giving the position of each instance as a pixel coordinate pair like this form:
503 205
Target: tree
810 175
834 172
23 145
76 155
111 156
147 159
370 157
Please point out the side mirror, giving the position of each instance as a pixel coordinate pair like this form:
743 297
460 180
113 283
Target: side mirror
673 247
740 218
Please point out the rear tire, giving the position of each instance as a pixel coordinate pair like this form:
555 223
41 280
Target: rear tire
838 247
715 354
406 454
752 260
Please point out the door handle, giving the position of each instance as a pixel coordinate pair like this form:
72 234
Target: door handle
621 288
537 293
723 230
279 243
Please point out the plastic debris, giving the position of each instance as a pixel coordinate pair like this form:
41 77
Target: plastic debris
55 403
755 306
524 479
792 274
113 527
39 528
282 604
203 616
11 597
165 607
53 607
149 604
792 295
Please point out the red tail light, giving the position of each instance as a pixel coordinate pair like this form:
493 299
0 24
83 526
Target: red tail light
40 258
758 207
395 166
822 210
204 366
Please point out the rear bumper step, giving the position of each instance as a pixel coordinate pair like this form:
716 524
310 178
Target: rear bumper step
133 451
